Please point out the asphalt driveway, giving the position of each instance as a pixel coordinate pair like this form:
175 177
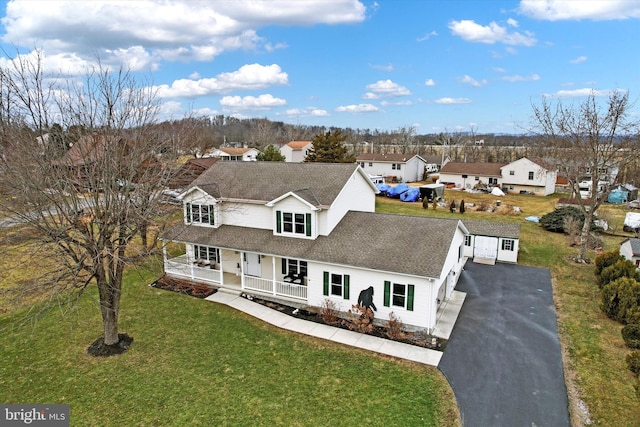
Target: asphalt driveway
503 358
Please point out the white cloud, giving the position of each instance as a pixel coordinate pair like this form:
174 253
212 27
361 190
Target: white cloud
499 70
473 82
204 30
557 10
429 82
309 111
578 60
388 67
370 95
493 33
396 104
427 36
247 77
360 108
453 101
512 22
387 88
575 93
519 78
262 102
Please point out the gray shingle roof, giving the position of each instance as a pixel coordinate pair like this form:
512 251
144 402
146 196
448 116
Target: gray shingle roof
317 183
414 245
509 230
635 245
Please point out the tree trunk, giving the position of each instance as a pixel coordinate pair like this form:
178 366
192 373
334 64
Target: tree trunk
584 237
110 324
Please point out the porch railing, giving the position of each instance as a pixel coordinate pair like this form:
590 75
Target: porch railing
285 289
182 267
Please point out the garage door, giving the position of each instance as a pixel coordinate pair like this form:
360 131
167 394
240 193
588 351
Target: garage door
485 247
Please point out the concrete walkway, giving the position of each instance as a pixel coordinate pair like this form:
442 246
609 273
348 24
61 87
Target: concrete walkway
447 317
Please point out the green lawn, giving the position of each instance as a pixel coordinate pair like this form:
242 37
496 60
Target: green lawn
194 362
198 363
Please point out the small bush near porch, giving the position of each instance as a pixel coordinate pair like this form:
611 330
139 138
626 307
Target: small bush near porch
197 363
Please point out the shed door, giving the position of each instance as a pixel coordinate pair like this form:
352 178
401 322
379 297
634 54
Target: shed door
485 247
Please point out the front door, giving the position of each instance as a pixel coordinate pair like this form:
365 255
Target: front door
252 264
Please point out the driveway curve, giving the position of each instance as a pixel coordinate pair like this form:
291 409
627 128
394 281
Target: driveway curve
503 358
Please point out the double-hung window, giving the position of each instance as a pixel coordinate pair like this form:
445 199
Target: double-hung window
398 295
336 285
199 214
293 267
467 240
293 223
530 175
206 253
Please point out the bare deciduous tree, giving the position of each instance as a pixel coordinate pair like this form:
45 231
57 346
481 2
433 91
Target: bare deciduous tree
588 141
87 205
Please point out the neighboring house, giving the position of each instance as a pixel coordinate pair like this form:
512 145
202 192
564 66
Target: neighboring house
521 176
490 241
296 151
434 163
630 249
189 171
236 154
86 154
307 233
467 175
532 175
393 167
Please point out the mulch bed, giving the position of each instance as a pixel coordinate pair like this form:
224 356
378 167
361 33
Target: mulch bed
184 287
99 349
418 338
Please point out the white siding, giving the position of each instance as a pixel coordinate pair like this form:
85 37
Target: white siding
295 206
543 181
627 252
503 255
424 306
356 195
246 215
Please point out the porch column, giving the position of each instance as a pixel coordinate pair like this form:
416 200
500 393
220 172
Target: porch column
273 269
190 259
221 272
242 258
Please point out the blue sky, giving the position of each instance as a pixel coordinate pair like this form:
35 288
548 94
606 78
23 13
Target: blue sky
435 65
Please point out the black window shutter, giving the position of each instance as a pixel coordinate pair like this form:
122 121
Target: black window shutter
346 286
308 224
387 293
211 219
278 222
325 289
284 266
410 292
189 213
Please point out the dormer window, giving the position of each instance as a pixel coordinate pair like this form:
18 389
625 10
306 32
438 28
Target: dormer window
199 214
293 223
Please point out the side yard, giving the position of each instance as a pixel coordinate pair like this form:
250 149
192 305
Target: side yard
594 352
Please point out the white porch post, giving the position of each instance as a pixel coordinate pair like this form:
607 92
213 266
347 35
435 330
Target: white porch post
221 272
242 255
190 259
273 268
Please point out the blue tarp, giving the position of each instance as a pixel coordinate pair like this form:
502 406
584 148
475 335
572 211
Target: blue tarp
397 190
383 188
411 195
618 196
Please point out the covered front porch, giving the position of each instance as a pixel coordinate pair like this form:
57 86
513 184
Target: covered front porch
238 270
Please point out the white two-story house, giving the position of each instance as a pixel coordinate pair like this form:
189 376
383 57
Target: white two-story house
305 233
394 167
520 176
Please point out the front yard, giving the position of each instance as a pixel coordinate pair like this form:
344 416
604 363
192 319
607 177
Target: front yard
194 362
